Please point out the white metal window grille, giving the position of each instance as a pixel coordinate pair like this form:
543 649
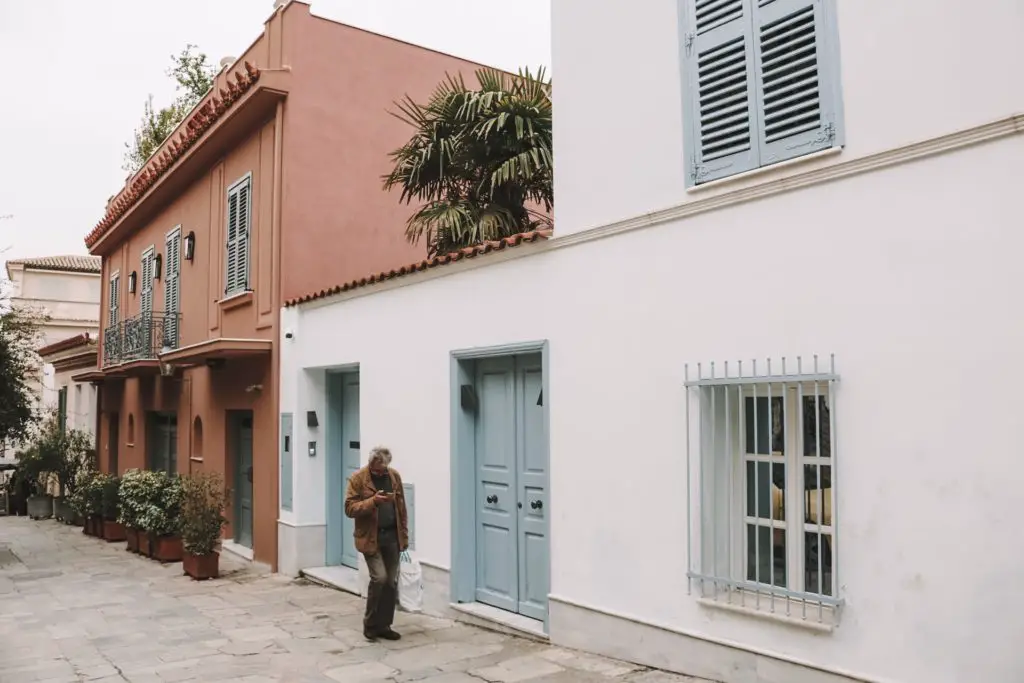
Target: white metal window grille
114 299
761 468
146 296
236 272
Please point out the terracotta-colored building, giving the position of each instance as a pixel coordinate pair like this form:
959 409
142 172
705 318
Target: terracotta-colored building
271 188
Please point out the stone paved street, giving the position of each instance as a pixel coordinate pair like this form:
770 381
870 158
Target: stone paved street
73 608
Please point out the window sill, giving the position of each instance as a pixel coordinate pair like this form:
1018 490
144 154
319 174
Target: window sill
236 300
747 605
764 170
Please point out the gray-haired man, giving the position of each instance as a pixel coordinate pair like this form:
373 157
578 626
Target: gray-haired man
376 501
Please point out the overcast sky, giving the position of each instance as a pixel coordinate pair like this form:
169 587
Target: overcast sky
74 75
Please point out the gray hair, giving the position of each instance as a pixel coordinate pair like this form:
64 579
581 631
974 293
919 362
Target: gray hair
380 455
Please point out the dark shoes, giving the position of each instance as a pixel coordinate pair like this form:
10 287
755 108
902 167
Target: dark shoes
386 634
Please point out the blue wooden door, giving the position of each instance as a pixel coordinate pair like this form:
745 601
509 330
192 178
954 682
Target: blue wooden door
497 566
350 459
531 475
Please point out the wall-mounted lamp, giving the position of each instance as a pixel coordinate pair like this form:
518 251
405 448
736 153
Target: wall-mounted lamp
311 420
158 262
190 246
132 279
312 449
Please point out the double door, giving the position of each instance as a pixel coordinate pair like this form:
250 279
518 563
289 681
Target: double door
511 446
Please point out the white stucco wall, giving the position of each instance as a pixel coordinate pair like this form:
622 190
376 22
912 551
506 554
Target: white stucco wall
910 275
911 70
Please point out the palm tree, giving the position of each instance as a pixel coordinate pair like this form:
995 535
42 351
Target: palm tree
479 160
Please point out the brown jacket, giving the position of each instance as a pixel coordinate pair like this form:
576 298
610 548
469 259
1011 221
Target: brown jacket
359 506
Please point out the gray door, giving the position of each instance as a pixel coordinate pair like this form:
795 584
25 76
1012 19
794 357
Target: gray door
242 425
162 441
350 450
497 528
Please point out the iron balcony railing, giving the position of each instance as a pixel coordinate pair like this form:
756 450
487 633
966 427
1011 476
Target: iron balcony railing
142 337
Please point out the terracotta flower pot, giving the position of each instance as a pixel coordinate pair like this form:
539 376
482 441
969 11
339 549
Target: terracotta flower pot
94 526
144 544
167 549
201 567
132 536
113 531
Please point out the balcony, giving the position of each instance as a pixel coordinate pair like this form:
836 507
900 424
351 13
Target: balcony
140 339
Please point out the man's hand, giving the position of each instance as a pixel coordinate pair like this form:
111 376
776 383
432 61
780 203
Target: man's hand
380 498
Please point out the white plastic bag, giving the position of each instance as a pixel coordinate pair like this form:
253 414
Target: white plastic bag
410 584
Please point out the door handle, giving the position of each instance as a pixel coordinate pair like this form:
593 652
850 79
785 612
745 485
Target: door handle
492 499
536 505
248 474
519 505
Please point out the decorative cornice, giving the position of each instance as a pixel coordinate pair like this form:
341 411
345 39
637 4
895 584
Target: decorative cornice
178 142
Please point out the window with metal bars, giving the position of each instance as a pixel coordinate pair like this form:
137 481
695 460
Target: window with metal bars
761 455
762 83
239 224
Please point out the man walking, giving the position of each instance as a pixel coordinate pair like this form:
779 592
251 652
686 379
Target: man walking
375 499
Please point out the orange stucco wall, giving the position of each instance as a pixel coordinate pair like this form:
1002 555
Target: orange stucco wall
319 217
338 133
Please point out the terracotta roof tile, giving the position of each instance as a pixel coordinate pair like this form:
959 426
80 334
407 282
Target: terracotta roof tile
70 343
442 260
181 140
71 263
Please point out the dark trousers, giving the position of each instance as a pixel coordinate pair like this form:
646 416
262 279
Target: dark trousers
382 594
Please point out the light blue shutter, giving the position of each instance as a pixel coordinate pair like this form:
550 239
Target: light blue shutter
719 92
287 447
796 84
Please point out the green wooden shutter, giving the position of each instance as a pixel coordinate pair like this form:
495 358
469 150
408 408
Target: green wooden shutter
244 225
796 94
62 410
113 300
231 267
147 282
172 288
719 93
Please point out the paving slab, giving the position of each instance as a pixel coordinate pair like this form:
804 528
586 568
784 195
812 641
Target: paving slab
73 608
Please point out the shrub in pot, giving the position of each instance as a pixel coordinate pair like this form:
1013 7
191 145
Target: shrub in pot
160 519
136 488
202 518
110 486
87 501
35 466
75 462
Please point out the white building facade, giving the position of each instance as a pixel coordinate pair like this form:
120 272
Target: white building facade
726 419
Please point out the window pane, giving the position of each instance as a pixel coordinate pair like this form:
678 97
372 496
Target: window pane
818 563
759 444
818 494
770 491
763 546
813 436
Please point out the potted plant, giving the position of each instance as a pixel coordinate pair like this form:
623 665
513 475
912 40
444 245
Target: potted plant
35 468
109 504
161 517
87 501
75 462
136 487
202 519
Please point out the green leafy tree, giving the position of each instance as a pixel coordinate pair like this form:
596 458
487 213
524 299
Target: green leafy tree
19 364
194 77
479 162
